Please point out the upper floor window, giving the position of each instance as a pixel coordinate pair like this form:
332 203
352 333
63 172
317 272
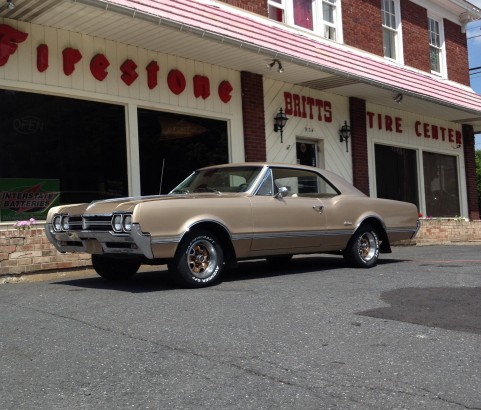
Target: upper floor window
391 29
320 16
436 46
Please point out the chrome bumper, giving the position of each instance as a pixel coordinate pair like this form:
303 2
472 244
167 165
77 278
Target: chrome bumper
102 242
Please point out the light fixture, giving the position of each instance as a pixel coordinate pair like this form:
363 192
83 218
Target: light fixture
398 98
345 134
10 4
279 122
280 69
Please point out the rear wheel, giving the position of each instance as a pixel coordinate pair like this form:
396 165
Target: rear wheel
199 259
114 268
363 248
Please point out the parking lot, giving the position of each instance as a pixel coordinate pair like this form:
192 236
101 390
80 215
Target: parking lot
313 334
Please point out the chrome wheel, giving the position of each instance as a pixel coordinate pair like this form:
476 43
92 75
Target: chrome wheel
362 251
201 258
367 246
198 261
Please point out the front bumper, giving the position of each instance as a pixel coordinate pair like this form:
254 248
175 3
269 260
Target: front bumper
135 242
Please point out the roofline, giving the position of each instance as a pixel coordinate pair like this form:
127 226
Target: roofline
128 10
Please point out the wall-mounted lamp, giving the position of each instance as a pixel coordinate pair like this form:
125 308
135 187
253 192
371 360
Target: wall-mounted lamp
398 98
279 122
345 134
280 69
10 4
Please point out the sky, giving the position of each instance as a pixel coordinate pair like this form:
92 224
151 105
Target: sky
473 34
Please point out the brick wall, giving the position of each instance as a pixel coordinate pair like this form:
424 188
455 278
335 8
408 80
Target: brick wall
442 231
360 168
253 117
254 6
415 36
456 53
30 251
362 25
363 30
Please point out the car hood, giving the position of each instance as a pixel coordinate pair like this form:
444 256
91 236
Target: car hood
128 204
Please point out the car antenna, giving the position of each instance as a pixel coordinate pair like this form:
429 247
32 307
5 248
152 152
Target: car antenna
161 176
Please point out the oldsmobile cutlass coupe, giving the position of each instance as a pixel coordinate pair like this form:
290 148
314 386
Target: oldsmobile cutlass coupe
222 214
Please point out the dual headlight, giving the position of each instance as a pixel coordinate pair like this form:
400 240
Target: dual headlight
122 222
60 223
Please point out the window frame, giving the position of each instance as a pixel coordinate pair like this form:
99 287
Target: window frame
396 30
320 25
441 48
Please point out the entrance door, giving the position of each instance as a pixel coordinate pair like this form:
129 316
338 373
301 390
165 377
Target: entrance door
310 153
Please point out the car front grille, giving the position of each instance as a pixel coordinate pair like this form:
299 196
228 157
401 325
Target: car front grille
90 222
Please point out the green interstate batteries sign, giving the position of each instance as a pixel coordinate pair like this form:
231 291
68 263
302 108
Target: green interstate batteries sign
22 198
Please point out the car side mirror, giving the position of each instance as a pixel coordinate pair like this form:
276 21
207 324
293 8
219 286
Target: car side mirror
283 191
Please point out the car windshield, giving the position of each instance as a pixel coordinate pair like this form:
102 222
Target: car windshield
219 180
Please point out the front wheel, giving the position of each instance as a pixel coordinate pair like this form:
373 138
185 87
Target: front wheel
114 268
363 248
199 259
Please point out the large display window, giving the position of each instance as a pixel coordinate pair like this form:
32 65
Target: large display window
171 146
441 186
396 173
397 178
58 150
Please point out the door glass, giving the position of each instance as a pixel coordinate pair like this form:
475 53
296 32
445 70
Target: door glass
306 154
396 173
441 185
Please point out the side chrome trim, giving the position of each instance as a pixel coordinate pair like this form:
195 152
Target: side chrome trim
160 240
401 230
298 234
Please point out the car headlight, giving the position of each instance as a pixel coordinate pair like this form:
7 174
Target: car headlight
117 223
127 223
65 225
57 223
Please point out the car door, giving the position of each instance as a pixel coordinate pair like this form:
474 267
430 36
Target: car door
293 221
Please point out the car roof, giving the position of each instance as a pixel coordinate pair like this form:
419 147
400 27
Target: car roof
339 182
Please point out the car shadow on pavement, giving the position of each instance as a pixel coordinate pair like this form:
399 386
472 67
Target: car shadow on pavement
154 279
456 308
260 268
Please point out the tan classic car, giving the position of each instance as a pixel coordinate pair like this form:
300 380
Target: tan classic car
225 213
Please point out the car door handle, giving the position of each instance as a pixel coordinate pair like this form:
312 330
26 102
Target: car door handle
318 208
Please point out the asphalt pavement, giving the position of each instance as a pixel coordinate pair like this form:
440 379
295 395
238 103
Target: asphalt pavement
313 334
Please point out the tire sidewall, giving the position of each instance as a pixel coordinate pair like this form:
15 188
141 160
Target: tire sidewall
354 256
182 266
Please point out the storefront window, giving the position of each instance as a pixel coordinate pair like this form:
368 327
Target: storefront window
172 146
441 185
396 173
58 150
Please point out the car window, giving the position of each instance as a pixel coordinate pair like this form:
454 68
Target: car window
302 183
219 180
266 188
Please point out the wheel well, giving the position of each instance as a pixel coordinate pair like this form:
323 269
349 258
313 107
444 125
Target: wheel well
378 226
223 237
